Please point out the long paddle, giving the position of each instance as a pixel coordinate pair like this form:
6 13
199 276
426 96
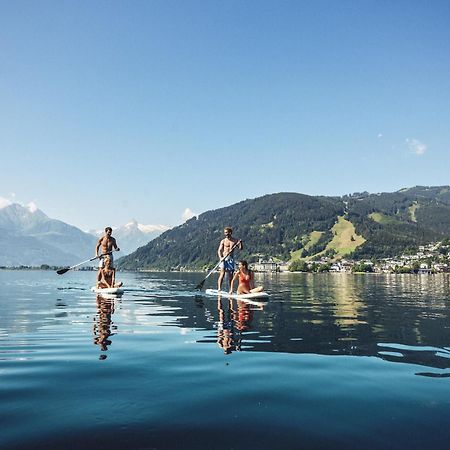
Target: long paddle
200 285
63 271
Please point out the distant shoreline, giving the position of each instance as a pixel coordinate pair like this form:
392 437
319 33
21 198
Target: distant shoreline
93 269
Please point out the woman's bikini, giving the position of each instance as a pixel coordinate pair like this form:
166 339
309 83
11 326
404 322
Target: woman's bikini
244 280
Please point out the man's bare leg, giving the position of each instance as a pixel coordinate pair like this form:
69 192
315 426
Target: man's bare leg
229 278
219 282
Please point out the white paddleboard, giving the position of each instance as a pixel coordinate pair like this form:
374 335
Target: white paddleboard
109 291
252 295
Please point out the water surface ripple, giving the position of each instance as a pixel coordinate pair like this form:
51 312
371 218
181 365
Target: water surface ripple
329 361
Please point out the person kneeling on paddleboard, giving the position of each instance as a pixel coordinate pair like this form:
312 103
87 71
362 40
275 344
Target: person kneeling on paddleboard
106 277
246 280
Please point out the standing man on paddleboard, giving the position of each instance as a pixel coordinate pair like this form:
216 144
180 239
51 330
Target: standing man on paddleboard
226 249
107 244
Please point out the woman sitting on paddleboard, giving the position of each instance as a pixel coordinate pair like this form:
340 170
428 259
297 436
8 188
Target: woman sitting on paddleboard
246 280
106 277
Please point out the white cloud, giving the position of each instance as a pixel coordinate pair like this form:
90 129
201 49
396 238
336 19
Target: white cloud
32 207
4 202
416 147
188 214
379 136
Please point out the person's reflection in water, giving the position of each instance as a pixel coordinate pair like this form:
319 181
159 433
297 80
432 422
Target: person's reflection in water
225 326
243 318
233 322
102 324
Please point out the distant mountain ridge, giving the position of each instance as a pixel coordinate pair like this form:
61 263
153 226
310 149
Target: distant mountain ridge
290 226
29 237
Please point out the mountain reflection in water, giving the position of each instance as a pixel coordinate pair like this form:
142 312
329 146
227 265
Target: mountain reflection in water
397 318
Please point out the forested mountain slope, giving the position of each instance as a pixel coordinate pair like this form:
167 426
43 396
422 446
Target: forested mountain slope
289 226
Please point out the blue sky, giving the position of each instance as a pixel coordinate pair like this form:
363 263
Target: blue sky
112 110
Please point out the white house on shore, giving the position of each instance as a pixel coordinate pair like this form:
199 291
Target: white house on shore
270 266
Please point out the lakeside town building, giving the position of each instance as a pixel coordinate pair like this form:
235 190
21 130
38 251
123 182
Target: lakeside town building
431 258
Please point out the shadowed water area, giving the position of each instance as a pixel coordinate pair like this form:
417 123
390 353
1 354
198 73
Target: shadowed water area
329 361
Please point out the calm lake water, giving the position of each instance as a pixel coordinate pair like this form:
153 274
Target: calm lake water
330 361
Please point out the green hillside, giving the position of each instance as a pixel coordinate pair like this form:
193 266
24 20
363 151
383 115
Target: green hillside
288 226
345 239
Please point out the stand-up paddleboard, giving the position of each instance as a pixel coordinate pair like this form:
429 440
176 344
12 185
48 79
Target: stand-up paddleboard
109 291
253 295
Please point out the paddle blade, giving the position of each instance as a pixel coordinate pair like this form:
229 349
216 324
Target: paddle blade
199 286
62 271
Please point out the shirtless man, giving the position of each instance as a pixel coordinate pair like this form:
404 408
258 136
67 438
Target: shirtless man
107 244
225 246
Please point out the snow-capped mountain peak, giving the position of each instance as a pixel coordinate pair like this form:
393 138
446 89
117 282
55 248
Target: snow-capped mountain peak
146 229
133 235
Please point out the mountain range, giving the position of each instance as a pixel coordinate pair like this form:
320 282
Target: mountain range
29 237
293 226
